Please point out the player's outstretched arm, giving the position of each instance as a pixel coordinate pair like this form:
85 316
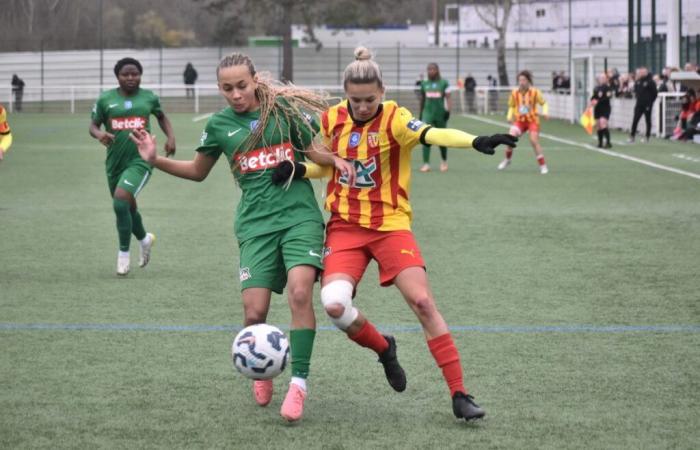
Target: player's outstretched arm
324 162
449 137
196 169
167 128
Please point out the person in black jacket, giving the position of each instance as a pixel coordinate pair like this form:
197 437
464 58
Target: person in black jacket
470 91
190 77
18 90
600 100
645 92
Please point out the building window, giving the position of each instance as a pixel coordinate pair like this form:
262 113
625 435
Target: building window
596 40
540 13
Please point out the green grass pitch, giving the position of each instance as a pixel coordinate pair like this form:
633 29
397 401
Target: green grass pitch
574 299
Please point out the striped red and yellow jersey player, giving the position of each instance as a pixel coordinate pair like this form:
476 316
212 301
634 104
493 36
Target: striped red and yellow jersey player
523 108
5 133
381 152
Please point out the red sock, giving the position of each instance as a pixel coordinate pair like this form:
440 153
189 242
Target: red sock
540 160
369 337
447 358
509 153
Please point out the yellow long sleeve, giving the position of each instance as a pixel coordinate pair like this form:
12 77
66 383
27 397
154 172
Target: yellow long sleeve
545 105
314 170
5 141
511 114
449 137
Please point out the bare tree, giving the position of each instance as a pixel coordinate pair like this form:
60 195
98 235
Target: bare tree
495 14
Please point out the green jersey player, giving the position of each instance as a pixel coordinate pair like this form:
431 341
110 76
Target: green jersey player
279 229
434 110
122 110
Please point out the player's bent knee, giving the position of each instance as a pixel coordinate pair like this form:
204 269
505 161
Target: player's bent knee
336 297
423 305
515 131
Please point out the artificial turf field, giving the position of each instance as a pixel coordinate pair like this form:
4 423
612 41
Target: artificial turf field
574 299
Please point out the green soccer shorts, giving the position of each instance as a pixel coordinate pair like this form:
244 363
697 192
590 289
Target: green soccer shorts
132 179
266 259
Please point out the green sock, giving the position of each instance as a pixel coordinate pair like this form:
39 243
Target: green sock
302 343
426 154
122 210
443 153
137 225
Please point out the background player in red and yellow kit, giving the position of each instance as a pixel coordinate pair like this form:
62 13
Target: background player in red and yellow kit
371 216
5 133
523 114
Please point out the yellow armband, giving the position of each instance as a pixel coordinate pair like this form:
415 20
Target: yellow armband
5 141
448 137
313 170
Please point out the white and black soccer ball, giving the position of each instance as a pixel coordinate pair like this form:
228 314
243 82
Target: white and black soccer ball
260 351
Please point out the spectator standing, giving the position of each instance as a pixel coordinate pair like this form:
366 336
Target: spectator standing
645 92
18 91
470 91
190 77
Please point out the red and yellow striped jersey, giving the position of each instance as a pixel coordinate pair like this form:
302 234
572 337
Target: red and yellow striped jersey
4 127
381 153
522 107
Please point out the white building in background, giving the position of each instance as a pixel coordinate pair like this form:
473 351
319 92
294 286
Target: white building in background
545 23
404 35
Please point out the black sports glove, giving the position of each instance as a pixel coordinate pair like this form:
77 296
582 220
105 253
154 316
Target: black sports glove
488 144
284 170
447 116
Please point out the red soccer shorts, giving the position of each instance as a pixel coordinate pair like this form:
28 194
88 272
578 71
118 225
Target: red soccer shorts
349 248
526 126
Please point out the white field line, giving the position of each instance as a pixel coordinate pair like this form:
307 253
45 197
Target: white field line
202 117
598 150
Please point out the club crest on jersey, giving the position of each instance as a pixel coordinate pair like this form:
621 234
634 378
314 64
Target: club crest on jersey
414 124
254 125
363 174
244 273
354 139
373 139
128 104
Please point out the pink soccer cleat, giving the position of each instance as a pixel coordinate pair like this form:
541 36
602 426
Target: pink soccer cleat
262 390
293 405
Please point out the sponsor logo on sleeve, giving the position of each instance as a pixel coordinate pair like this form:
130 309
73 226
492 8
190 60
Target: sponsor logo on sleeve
203 138
128 123
414 124
244 273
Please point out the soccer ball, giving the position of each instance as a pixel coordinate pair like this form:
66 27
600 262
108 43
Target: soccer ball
260 351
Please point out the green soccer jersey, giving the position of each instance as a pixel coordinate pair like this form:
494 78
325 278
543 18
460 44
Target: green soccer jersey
434 103
120 115
264 207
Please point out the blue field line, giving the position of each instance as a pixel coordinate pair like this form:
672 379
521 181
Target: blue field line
504 329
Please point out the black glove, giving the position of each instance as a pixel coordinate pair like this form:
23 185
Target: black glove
488 144
447 116
284 170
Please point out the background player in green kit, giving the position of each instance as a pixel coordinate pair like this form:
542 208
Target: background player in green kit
279 229
434 110
122 110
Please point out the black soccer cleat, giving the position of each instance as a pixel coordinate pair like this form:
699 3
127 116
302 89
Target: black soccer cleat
392 369
464 407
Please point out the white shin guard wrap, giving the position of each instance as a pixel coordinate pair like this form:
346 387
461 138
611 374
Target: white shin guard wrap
340 292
